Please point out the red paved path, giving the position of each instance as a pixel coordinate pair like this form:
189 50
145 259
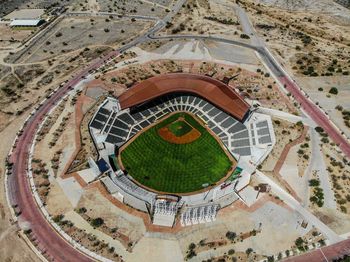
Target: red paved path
55 248
282 159
330 252
317 115
339 249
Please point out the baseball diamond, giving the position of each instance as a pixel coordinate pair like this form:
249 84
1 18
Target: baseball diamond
173 167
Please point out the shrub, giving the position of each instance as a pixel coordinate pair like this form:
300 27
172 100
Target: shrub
244 36
58 218
348 198
192 246
231 235
299 124
191 254
333 91
341 201
27 231
249 251
339 108
314 182
319 129
97 222
270 258
325 140
299 242
231 251
82 210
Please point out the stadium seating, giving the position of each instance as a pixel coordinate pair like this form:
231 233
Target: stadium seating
123 125
127 185
260 133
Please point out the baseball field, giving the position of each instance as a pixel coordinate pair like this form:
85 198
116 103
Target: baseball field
177 155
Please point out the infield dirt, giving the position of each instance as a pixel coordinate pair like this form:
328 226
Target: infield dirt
188 137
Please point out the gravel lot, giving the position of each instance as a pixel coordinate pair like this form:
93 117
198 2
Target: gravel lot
78 32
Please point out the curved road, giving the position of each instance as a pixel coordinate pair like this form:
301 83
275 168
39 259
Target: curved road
48 241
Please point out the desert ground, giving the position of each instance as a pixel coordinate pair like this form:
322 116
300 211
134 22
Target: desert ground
311 39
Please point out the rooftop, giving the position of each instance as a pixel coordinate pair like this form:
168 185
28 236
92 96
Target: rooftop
25 22
216 92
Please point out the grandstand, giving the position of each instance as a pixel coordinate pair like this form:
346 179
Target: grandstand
247 135
120 127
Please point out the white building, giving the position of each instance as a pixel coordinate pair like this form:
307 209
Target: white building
26 22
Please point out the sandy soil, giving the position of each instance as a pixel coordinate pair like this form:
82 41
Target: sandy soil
150 8
73 33
339 170
328 101
97 206
290 172
320 6
285 132
204 17
10 37
155 250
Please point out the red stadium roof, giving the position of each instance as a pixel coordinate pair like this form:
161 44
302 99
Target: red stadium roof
214 91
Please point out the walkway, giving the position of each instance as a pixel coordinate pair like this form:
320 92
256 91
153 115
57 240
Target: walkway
282 159
294 204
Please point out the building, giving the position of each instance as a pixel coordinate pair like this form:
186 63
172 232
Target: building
26 23
25 18
247 135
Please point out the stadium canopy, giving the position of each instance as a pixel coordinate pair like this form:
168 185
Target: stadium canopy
214 91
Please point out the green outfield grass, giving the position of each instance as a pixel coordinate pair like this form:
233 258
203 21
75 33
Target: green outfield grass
176 168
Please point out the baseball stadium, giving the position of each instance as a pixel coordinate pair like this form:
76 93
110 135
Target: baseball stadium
179 146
